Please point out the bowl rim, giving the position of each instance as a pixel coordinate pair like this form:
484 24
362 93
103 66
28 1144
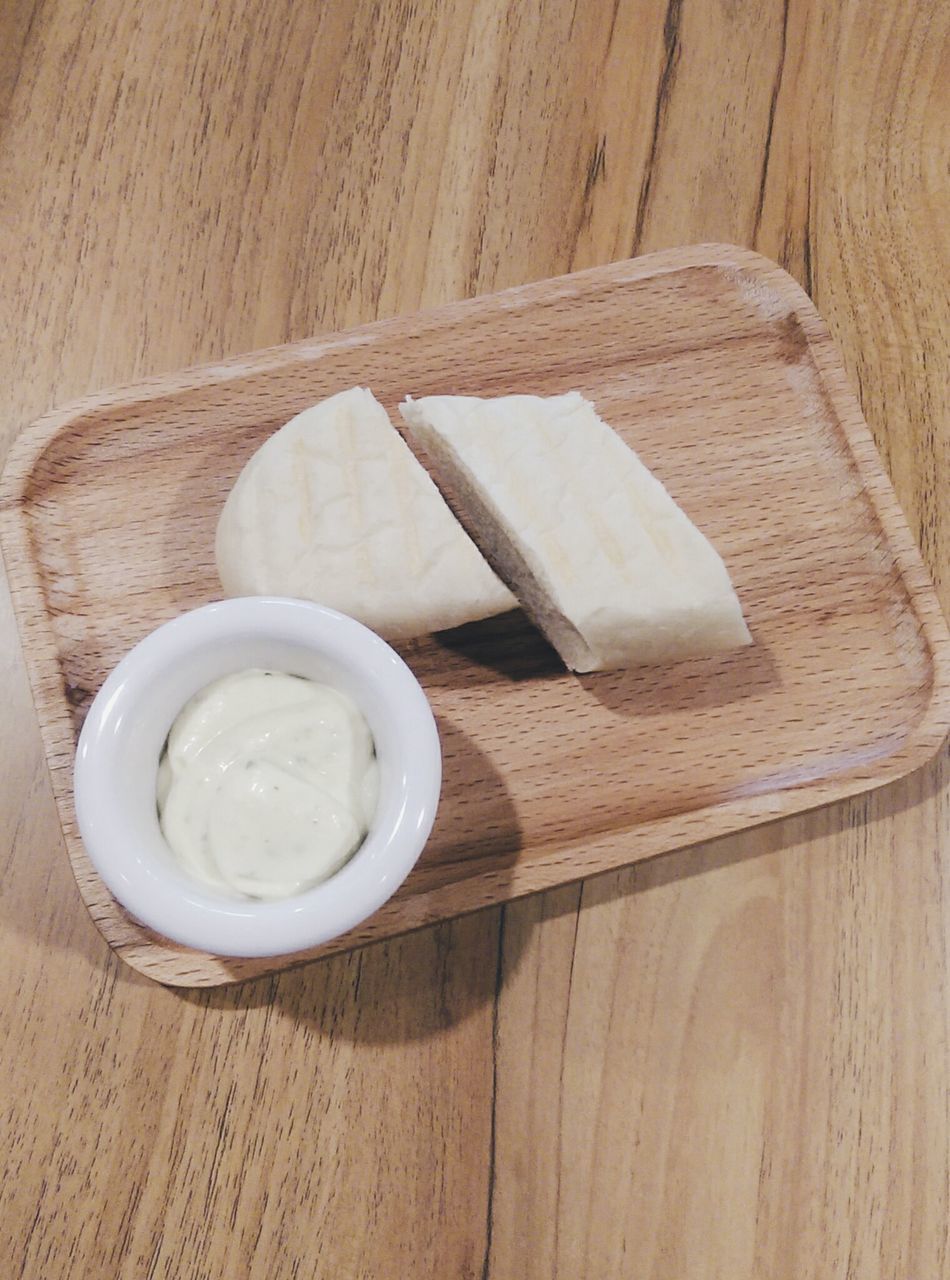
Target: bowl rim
177 906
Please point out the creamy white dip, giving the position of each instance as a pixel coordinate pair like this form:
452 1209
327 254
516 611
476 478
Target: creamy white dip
267 784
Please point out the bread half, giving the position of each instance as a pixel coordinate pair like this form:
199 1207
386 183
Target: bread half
335 508
598 553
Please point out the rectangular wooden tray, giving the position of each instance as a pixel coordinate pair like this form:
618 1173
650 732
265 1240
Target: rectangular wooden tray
716 367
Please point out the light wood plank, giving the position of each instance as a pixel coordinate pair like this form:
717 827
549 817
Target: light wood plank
749 1070
157 212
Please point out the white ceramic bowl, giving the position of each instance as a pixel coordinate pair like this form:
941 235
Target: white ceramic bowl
126 728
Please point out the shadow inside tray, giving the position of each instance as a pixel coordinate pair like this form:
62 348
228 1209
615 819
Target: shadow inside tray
693 685
508 645
476 821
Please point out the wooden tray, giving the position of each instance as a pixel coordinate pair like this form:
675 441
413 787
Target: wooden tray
713 363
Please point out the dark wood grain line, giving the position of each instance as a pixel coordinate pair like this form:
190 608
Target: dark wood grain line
564 1050
773 103
493 1123
500 103
613 24
15 33
671 42
597 167
24 1256
808 282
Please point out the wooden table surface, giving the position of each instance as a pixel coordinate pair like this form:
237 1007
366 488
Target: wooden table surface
730 1062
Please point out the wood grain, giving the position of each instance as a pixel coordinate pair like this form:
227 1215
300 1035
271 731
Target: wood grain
184 182
107 518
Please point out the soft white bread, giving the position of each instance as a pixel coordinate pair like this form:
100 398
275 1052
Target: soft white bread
335 508
599 554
